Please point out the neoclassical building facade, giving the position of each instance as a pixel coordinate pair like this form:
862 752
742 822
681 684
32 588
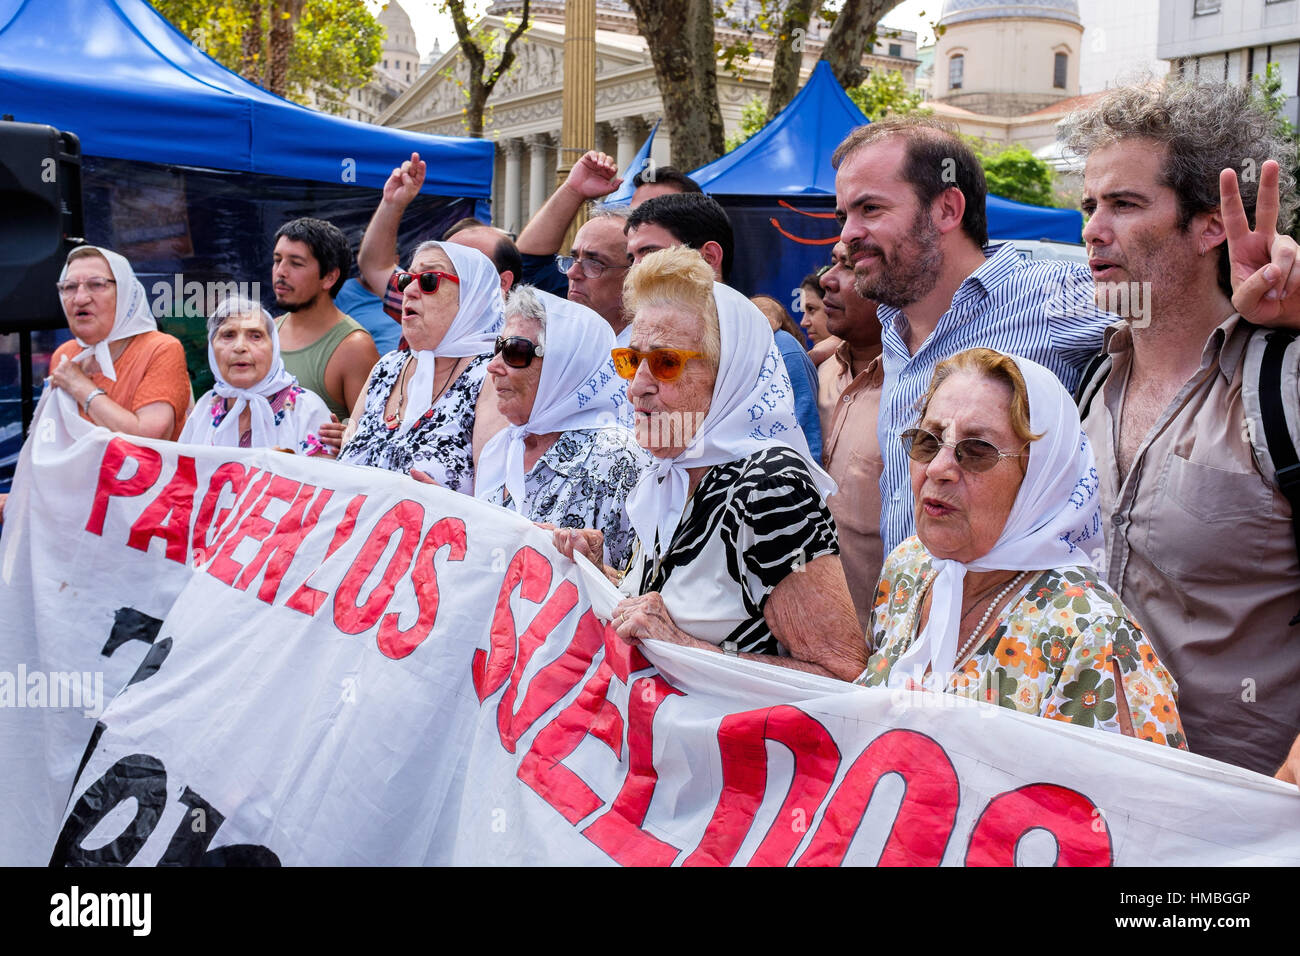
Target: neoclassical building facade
524 112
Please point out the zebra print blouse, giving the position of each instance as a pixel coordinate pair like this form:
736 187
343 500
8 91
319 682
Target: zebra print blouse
748 524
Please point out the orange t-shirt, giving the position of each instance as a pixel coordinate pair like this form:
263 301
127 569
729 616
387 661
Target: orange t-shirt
152 369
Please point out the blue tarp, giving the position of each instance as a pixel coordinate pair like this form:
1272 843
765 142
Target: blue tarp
131 86
791 157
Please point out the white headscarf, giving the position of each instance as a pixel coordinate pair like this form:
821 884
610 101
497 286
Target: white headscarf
1056 511
574 391
132 316
752 410
472 332
256 399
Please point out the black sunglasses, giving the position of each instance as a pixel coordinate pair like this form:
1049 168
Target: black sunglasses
517 351
429 281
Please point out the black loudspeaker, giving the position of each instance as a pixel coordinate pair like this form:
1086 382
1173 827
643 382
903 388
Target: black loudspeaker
40 221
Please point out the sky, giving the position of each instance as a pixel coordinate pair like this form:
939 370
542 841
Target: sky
429 23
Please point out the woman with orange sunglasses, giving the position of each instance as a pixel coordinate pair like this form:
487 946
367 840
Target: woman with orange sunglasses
736 551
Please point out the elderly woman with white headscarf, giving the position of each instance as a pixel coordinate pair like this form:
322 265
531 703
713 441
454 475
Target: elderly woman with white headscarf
563 460
123 373
736 551
420 407
995 598
255 402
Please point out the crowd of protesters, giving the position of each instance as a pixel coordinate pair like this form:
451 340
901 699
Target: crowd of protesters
976 474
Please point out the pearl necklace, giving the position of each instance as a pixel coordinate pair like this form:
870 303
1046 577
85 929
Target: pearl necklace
979 628
909 624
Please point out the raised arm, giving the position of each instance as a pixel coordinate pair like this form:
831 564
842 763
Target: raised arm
593 176
376 257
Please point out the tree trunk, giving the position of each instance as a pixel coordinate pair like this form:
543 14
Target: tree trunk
251 42
855 25
478 86
284 18
789 55
680 36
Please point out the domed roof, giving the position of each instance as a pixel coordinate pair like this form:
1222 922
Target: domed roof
964 11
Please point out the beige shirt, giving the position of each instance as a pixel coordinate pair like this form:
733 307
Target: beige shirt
1199 546
848 406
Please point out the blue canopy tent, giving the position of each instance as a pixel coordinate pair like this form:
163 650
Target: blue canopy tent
778 187
188 169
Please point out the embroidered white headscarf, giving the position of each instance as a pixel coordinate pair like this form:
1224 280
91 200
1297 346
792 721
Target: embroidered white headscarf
472 332
131 318
1055 521
752 410
576 389
256 399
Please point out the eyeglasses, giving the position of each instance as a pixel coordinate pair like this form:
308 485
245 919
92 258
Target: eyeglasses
973 454
429 281
591 268
95 285
517 351
666 365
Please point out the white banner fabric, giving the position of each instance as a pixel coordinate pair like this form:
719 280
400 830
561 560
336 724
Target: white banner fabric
302 662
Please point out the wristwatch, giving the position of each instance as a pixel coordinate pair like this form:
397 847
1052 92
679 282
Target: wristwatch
731 648
85 405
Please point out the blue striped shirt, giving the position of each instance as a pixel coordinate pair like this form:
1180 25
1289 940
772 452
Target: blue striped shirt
1040 309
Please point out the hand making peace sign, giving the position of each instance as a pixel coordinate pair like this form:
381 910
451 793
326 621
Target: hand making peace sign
1262 264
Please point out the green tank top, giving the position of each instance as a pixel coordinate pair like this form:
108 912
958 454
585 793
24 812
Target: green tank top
308 364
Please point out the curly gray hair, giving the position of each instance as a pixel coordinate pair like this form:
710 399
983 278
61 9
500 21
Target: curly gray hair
524 302
1205 128
236 306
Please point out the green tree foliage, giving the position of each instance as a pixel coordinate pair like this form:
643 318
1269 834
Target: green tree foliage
332 45
753 117
885 93
1269 95
1013 172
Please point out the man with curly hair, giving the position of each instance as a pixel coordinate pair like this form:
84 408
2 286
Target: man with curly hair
1199 541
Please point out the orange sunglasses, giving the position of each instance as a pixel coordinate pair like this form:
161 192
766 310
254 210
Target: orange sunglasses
666 365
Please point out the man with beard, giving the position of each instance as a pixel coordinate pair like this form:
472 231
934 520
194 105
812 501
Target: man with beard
848 400
328 352
910 197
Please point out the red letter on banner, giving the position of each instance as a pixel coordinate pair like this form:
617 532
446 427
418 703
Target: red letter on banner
531 573
230 473
308 599
351 618
241 508
148 466
168 515
742 739
921 830
618 831
1082 837
283 543
253 525
396 643
591 713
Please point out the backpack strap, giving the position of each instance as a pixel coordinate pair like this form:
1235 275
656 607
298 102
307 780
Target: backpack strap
1266 414
1091 381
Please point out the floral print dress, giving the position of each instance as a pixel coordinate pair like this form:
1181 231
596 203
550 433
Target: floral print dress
1052 653
441 441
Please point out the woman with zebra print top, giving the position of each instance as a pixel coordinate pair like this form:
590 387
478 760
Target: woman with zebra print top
736 551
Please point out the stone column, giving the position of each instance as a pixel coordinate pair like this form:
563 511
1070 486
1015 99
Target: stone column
539 182
514 185
629 134
578 127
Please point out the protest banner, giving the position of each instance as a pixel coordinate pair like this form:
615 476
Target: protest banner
315 663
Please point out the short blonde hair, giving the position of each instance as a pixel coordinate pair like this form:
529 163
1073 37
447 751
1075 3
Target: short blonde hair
987 363
677 278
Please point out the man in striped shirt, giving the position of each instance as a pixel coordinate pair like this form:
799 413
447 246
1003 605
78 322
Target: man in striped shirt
910 197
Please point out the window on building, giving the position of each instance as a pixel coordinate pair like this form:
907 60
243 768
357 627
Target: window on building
895 49
956 66
1205 7
1059 70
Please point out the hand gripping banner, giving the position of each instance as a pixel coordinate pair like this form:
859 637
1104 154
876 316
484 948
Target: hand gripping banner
301 662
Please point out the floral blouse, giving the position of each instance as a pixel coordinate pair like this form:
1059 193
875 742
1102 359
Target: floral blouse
582 481
298 417
1052 652
440 443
